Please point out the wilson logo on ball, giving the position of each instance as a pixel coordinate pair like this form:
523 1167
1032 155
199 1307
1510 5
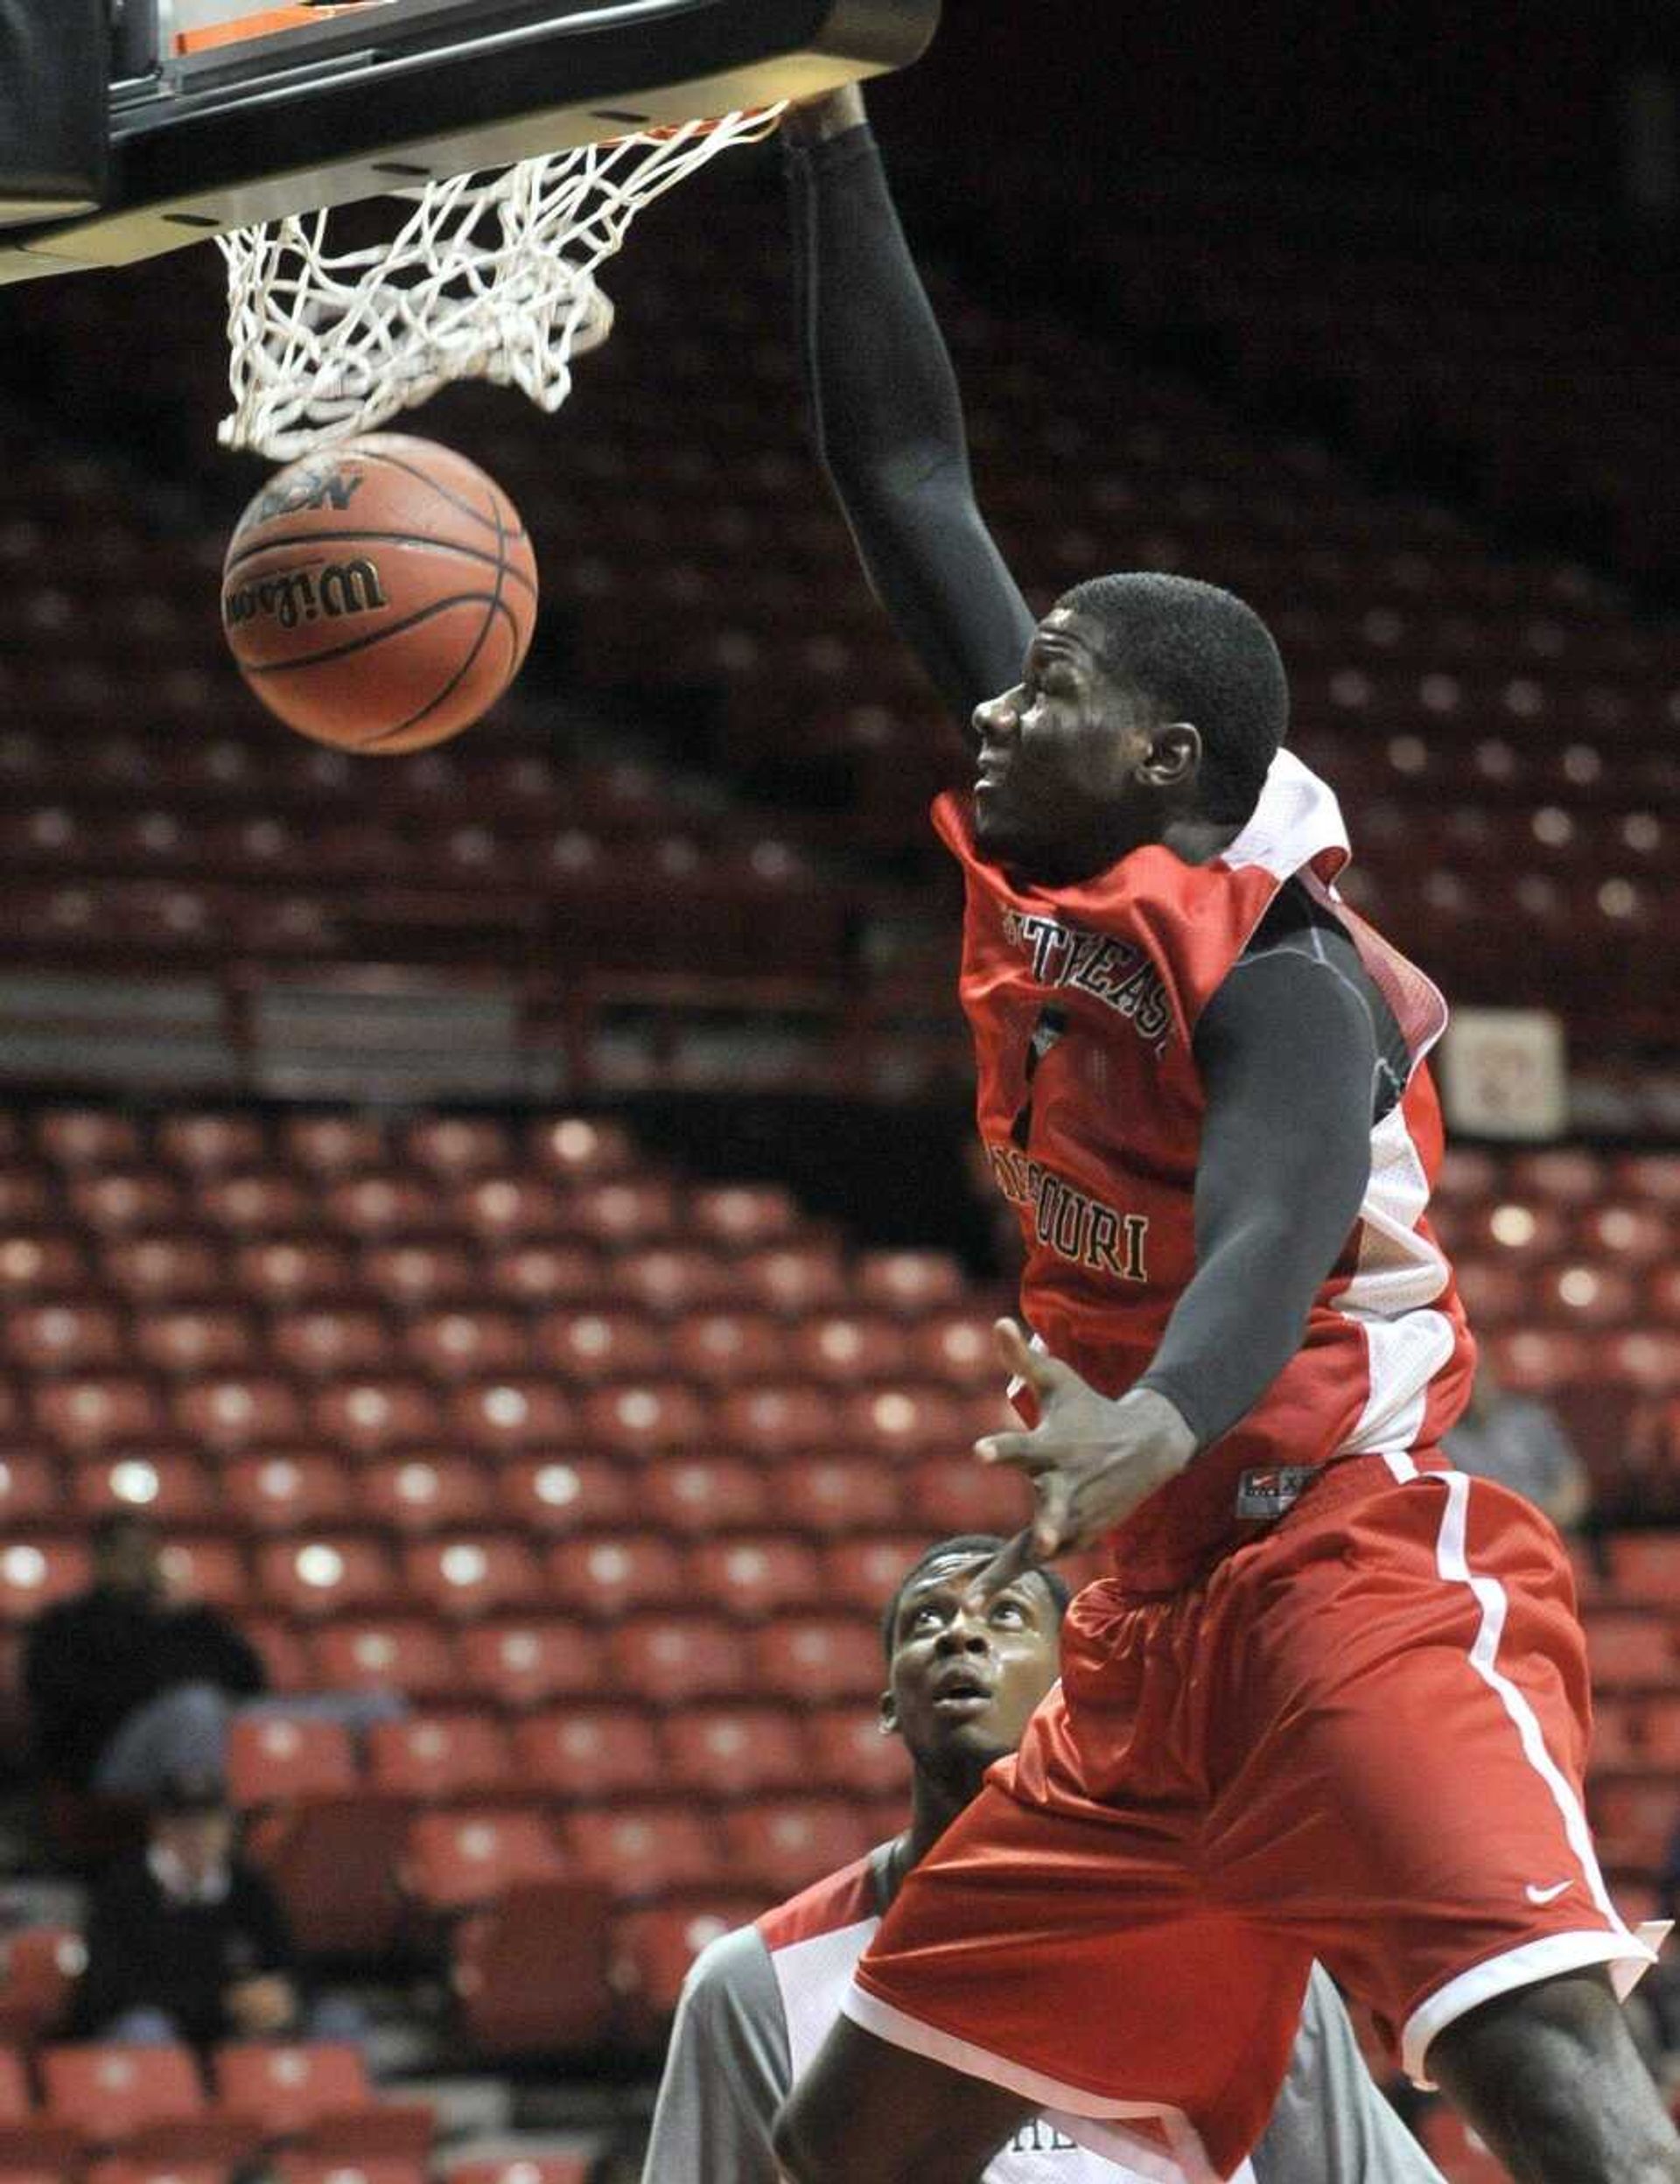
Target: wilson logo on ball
299 595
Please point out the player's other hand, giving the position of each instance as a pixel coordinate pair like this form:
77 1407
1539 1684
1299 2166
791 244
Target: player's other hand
830 113
1091 1458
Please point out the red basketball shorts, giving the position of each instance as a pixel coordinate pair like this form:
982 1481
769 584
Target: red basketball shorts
1360 1738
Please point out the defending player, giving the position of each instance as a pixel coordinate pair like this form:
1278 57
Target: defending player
963 1678
1334 1701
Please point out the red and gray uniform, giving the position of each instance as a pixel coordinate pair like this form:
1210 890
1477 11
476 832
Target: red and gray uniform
1333 1702
759 2003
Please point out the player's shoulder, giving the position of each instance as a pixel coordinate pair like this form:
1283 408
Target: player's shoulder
840 1900
727 1963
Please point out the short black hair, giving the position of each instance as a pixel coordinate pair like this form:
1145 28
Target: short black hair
1196 653
972 1544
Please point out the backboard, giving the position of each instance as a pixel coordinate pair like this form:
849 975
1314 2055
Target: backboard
225 113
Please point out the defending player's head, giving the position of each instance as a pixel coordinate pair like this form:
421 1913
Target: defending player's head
964 1675
1146 702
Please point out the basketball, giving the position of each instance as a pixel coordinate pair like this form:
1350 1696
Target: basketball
381 594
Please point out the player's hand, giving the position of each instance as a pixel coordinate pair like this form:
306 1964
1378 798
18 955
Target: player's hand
1092 1459
830 113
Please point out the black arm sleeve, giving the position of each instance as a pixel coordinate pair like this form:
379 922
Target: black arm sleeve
1288 1055
888 422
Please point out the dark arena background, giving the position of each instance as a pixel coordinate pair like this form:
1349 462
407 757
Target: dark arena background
508 1213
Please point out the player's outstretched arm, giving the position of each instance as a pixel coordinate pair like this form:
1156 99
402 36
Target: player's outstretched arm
727 2071
1331 2124
886 413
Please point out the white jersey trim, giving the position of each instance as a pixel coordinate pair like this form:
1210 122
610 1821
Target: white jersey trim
1632 1955
1092 2118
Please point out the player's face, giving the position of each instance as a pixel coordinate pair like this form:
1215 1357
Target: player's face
966 1674
1055 792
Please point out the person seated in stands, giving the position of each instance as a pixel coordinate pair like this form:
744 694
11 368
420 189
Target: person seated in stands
187 1941
127 1686
1521 1444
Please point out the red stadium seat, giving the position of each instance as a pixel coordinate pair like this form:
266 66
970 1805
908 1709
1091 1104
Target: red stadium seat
838 1494
169 1487
656 1945
783 1844
794 1279
1532 1361
416 1276
287 1493
1627 1233
39 1966
506 1209
864 1572
724 1752
580 1149
1584 1295
1645 1568
124 1202
435 1759
34 1573
1528 1228
237 1410
206 1144
329 2169
512 1413
614 1574
375 1205
464 1345
1627 1648
86 1412
40 1265
743 1216
668 1278
1570 1174
546 1274
282 1651
316 2095
207 1568
668 1659
326 1340
454 1861
593 1345
334 1862
845 1348
397 1654
260 1202
332 1145
771 1422
583 1754
291 1271
960 1493
26 1199
284 1759
1495 1291
563 1493
521 2168
849 1754
147 2100
485 1573
61 1337
374 1412
30 1488
813 1658
1632 1819
909 1282
328 1574
636 1852
532 1970
723 1346
624 1213
86 1137
647 1418
517 1664
904 1420
425 1494
753 1575
32 2150
452 1147
194 1339
706 1494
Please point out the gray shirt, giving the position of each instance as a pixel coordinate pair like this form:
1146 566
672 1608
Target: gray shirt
730 2064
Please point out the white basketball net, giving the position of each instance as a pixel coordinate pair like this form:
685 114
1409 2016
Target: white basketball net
490 276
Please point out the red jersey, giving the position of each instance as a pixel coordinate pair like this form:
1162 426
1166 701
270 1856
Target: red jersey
1083 1002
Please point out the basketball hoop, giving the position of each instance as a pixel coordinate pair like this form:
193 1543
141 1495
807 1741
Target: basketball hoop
489 276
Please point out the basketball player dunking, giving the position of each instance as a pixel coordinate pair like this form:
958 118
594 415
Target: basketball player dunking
1333 1700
